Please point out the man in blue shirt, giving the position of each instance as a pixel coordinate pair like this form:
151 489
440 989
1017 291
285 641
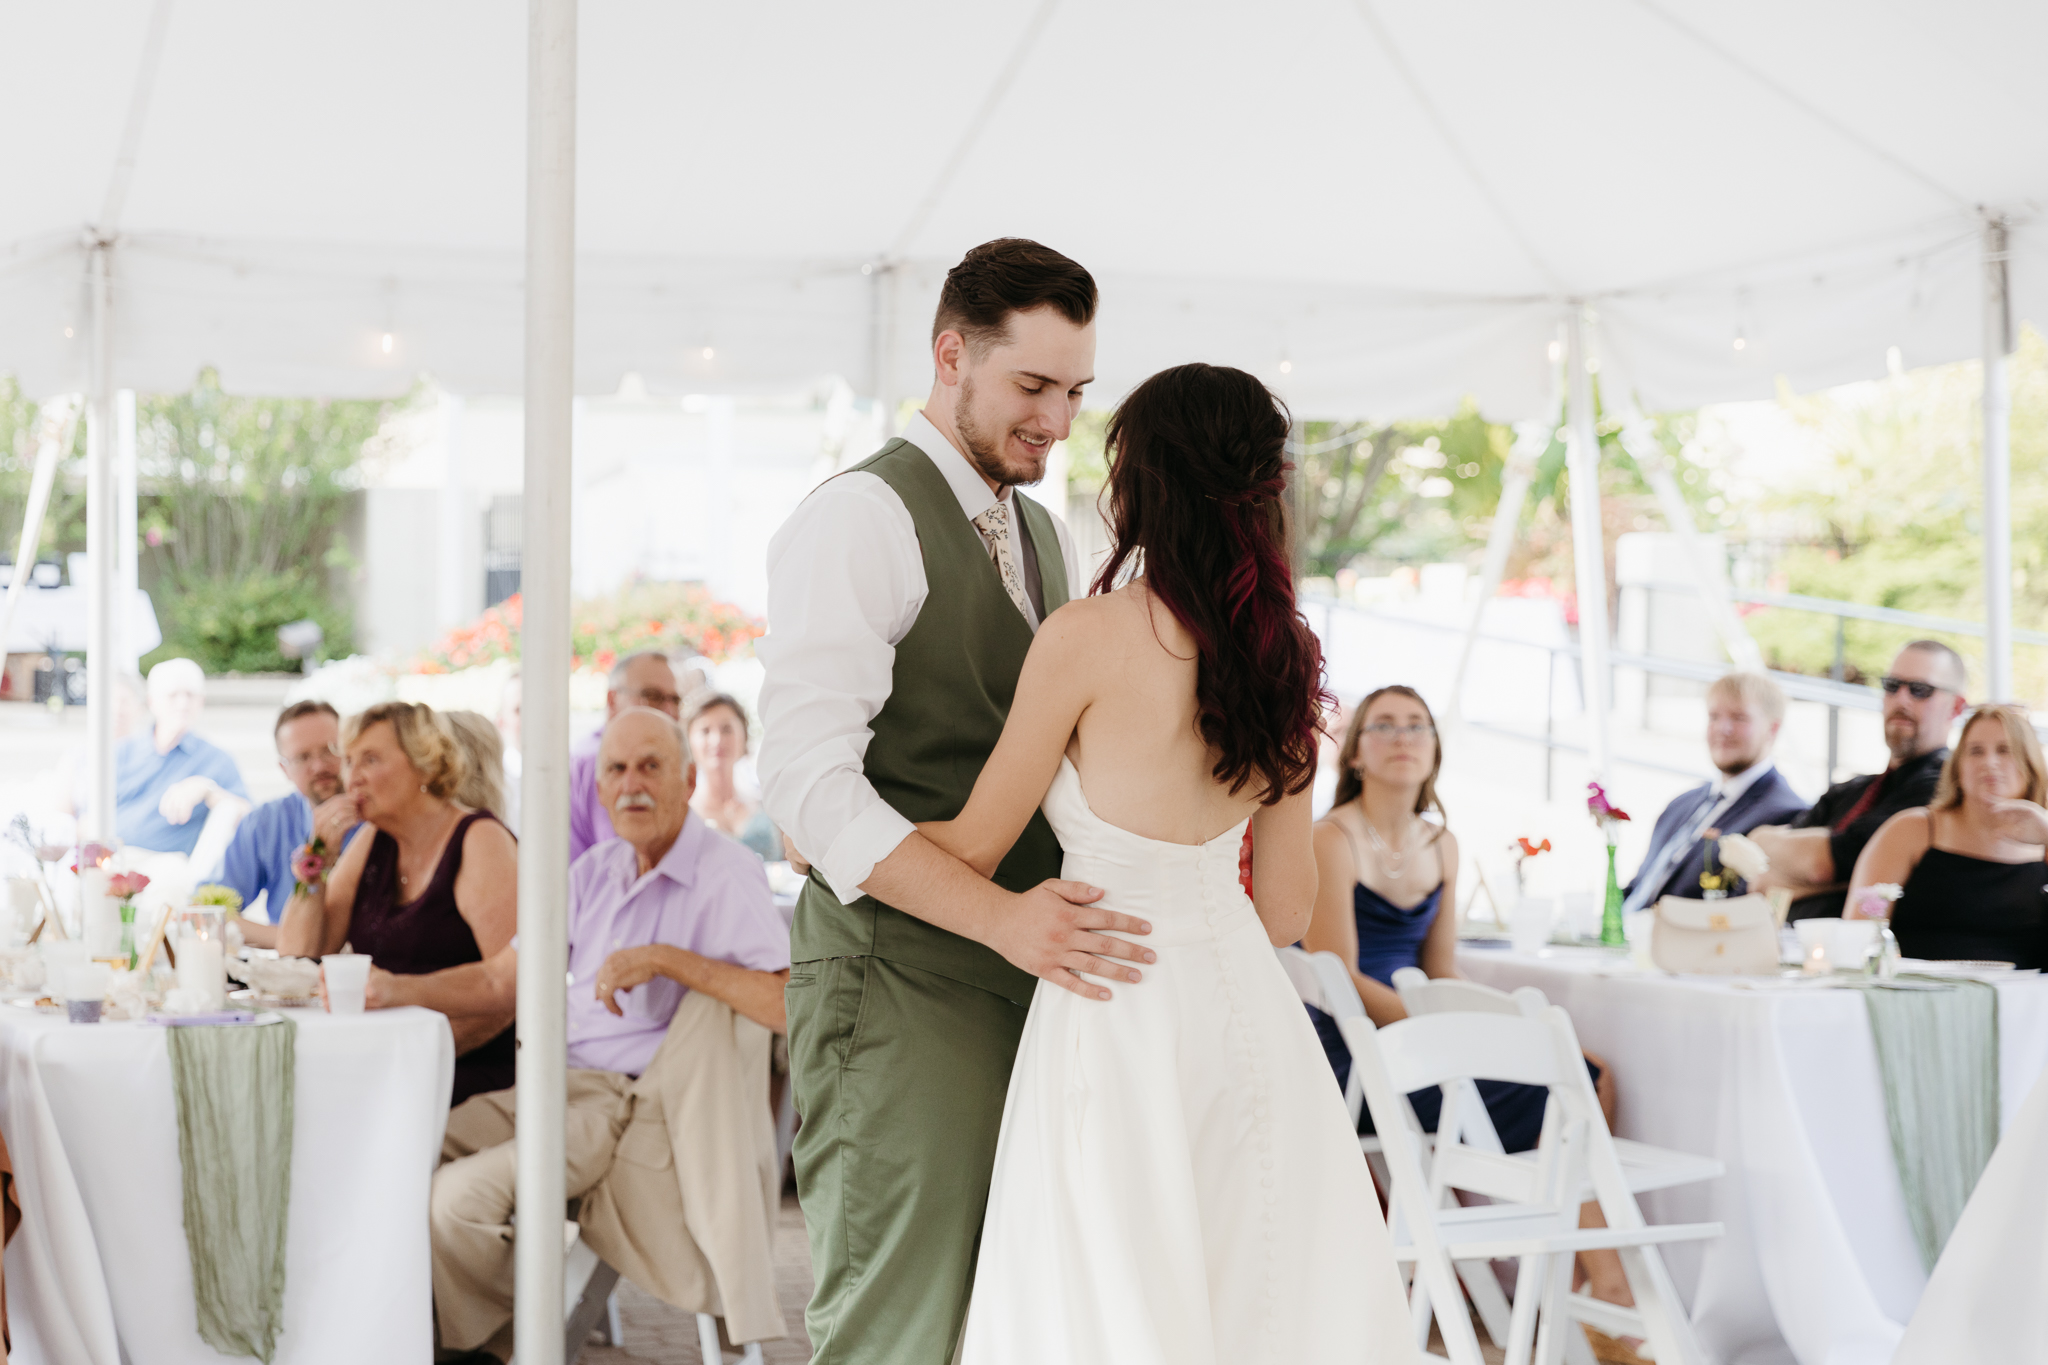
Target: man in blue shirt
166 773
259 861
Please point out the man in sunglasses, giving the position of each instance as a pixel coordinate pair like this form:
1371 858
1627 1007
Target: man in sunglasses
1923 695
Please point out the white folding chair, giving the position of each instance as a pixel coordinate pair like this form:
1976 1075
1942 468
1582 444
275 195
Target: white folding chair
1644 1166
1535 1217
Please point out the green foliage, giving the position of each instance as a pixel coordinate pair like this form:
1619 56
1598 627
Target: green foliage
1895 511
242 499
229 625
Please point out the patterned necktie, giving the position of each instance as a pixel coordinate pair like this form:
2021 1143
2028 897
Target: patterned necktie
994 525
1658 868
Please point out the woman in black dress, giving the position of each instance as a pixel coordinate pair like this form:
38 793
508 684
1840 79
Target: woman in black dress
426 883
1970 862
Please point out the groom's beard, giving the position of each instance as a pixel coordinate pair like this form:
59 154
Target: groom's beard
985 453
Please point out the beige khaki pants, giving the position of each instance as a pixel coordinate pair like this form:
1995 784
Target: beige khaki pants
471 1212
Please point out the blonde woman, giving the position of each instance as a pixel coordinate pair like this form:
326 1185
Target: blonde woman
1971 860
426 883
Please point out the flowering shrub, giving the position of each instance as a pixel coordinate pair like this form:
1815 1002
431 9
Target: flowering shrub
676 618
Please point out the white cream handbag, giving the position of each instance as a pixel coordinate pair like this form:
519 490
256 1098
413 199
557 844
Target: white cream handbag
1737 936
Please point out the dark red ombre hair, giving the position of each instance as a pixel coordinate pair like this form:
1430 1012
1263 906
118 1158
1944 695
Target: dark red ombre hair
1197 503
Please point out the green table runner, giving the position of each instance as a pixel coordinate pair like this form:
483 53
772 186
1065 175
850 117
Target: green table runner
234 1085
1937 1050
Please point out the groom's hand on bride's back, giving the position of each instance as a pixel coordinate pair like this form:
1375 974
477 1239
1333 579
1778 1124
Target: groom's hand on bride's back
1055 932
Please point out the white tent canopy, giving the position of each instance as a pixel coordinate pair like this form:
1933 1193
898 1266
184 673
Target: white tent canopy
1378 206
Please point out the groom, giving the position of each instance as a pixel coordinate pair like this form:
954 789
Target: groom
902 597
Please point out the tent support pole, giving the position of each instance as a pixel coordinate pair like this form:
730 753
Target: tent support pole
102 524
1639 439
1589 555
128 533
1998 681
1532 438
541 1100
54 425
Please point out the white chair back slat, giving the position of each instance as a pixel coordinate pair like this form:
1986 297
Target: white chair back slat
1430 1049
1301 970
1340 993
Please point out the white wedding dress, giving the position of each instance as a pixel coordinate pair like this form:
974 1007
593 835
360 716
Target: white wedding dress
1177 1181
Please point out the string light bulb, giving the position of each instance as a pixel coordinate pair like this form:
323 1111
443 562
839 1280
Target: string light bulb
1553 350
67 334
709 352
1287 367
388 343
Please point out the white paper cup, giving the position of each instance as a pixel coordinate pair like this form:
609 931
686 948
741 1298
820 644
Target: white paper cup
1529 923
347 976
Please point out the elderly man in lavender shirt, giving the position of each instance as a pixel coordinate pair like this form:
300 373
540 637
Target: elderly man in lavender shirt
667 907
643 679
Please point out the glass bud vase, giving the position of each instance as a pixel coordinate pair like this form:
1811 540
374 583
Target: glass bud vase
1611 932
128 949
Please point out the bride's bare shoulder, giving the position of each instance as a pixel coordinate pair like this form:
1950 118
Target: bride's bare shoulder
1106 621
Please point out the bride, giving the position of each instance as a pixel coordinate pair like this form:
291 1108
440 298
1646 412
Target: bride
1177 1181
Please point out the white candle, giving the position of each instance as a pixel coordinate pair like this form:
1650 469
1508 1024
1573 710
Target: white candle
99 914
202 967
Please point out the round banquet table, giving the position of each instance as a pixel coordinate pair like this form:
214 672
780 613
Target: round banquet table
1779 1081
99 1273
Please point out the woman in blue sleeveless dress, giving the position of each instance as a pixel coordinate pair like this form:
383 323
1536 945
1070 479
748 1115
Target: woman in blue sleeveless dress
1386 900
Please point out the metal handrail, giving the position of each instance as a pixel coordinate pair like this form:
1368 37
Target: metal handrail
1827 606
1798 686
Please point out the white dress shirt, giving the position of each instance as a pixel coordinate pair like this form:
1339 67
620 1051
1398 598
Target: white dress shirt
845 584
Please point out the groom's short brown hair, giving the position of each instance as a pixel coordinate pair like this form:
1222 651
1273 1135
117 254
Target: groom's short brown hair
1010 275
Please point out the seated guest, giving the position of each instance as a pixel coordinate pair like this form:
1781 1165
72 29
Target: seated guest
165 773
1744 711
1814 855
259 857
643 679
483 769
717 729
429 884
666 909
1385 877
1971 861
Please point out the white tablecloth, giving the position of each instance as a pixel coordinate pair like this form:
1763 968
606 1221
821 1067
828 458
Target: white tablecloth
1985 1300
99 1274
1818 1265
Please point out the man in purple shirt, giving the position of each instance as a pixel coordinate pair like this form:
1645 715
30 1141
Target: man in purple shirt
643 679
667 907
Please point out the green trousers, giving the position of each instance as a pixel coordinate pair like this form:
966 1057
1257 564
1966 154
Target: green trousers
899 1075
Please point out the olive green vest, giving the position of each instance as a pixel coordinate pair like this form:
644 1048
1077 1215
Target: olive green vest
955 674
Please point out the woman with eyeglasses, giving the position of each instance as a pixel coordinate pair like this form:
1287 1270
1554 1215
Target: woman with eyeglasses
1971 862
1387 869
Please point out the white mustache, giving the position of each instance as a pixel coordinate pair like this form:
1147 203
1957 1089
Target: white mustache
633 801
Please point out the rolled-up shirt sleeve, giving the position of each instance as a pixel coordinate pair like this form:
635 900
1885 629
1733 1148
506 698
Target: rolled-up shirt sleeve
845 583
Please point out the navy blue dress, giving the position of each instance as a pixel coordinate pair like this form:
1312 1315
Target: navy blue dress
1390 938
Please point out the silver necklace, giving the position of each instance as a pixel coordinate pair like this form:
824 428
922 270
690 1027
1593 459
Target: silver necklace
1393 859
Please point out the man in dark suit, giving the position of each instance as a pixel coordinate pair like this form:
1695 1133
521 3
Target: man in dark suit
1814 855
1744 711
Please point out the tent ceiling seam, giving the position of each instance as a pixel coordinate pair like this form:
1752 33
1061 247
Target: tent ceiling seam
138 115
1807 107
975 127
1457 148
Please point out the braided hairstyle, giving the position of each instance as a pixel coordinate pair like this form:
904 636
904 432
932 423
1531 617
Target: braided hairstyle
1197 485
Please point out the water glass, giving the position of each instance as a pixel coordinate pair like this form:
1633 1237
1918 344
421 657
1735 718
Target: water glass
1529 923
